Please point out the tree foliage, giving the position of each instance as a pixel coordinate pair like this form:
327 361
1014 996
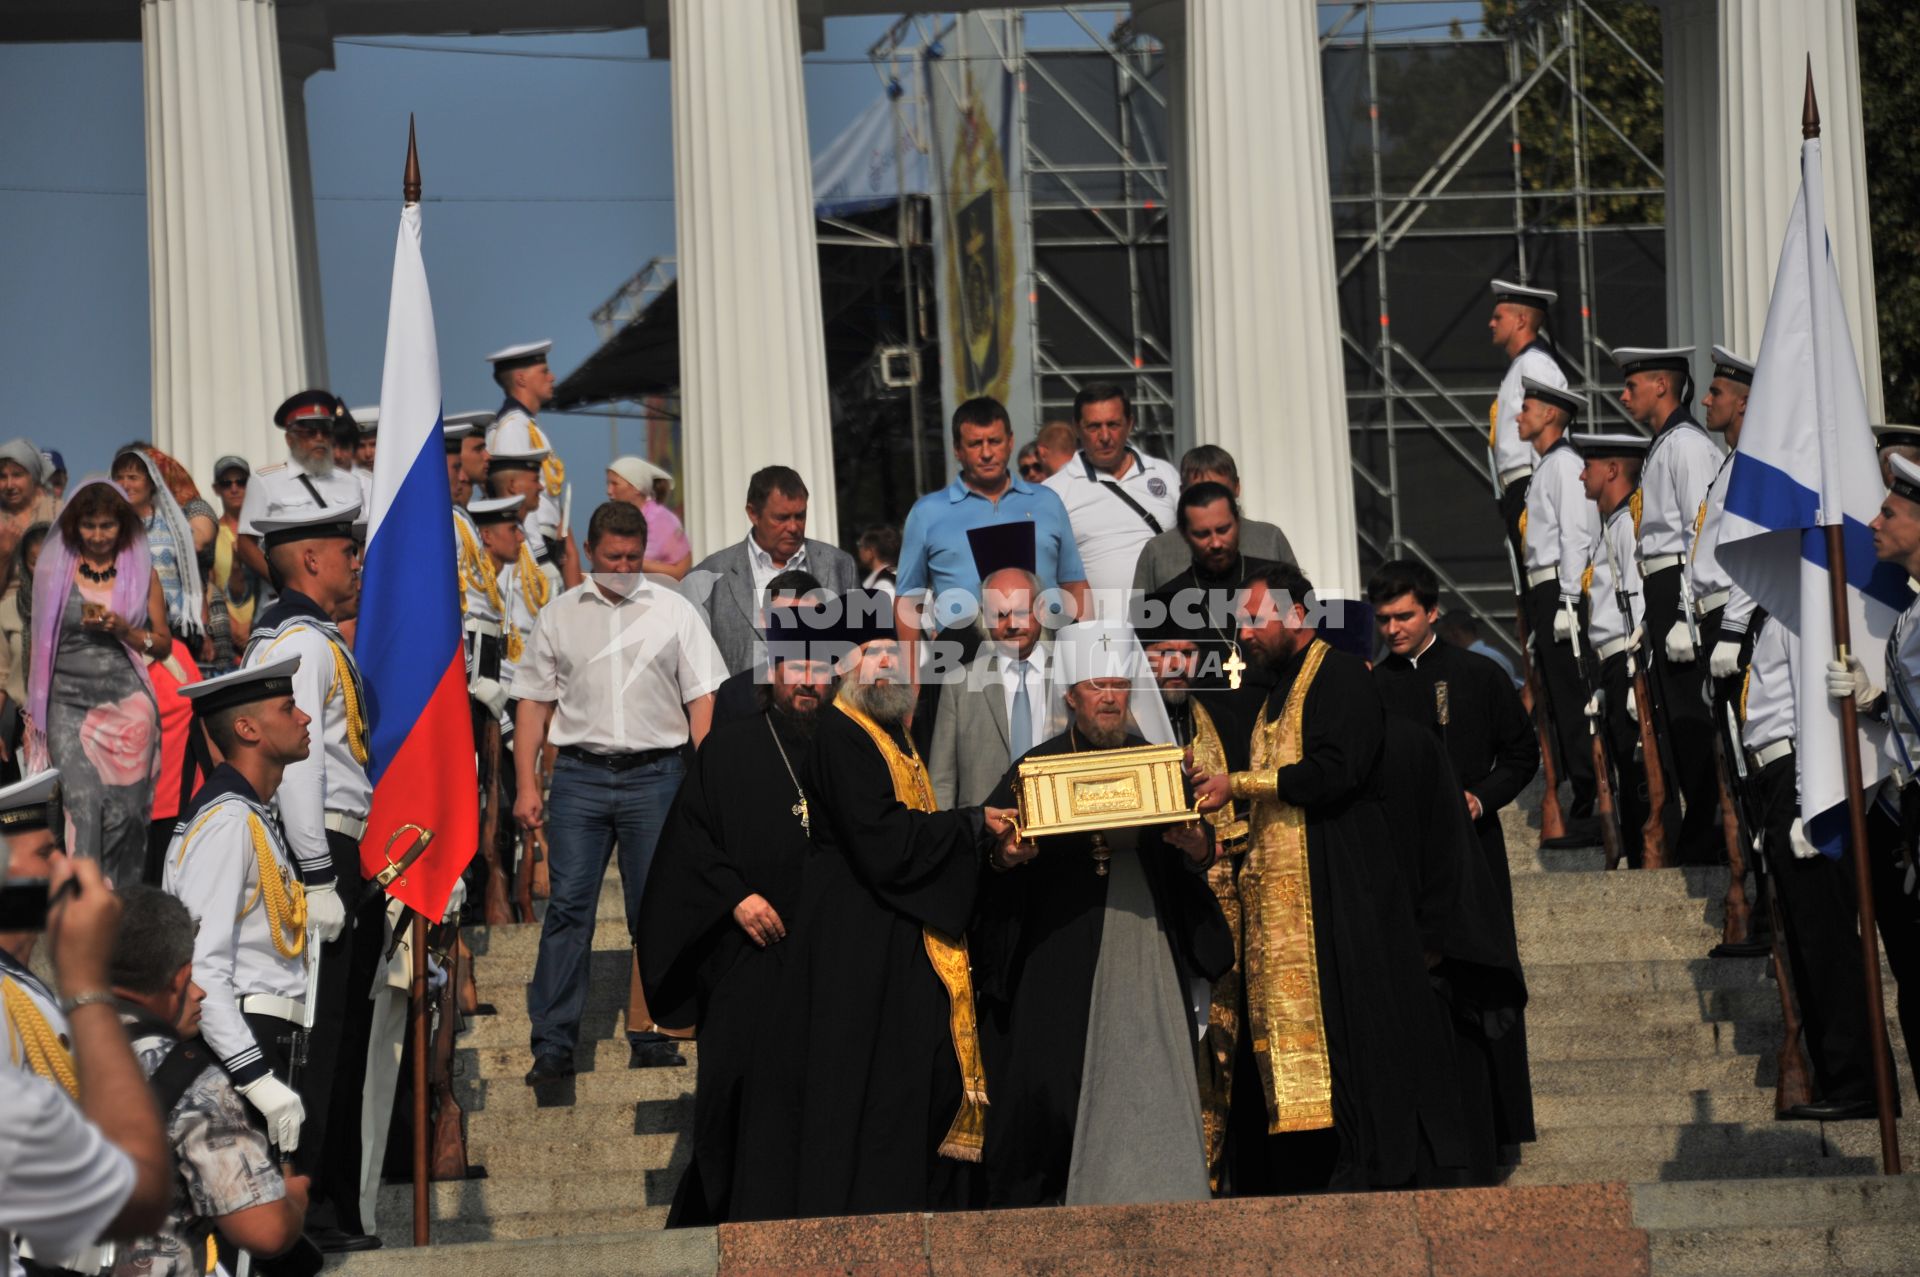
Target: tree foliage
1890 105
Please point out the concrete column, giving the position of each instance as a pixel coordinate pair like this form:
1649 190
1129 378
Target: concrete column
1257 229
1734 71
753 369
229 338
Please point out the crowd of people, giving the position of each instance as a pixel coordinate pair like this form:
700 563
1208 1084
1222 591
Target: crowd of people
814 767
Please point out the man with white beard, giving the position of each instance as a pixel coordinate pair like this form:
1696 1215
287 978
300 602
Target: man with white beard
305 479
874 1099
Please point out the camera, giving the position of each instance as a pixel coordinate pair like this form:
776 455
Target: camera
23 905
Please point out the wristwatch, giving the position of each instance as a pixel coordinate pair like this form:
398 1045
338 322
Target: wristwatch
92 996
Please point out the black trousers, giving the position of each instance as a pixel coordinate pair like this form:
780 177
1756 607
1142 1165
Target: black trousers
1897 913
1565 694
1688 735
1513 503
337 1051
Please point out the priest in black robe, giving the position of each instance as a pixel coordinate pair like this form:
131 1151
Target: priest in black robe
1096 961
725 878
870 1095
1470 704
1338 1016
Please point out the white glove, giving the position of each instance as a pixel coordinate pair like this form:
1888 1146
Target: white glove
1797 839
1595 707
282 1108
489 693
455 901
326 913
1680 644
1633 709
1849 679
1725 661
1563 625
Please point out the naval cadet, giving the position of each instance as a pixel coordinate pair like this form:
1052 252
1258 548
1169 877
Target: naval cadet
307 478
36 1035
1679 468
324 801
367 445
1518 327
523 375
1558 529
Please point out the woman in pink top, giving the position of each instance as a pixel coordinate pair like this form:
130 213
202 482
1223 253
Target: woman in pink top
631 479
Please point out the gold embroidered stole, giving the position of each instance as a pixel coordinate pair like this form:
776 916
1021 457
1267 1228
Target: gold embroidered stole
948 954
1281 965
1223 1011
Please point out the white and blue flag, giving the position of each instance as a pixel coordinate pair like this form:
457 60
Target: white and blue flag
1806 461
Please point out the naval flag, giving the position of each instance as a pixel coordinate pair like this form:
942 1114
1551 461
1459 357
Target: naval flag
1806 461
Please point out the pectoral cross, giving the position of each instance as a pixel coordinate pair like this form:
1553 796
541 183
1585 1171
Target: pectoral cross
800 809
1234 667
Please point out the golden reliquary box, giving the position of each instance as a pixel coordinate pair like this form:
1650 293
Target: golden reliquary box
1102 789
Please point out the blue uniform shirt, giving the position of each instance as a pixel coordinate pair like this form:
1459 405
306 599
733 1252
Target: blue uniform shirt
934 553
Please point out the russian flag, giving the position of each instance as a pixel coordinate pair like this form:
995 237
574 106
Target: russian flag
408 641
1807 461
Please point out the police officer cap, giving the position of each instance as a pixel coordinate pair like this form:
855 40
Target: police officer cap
1505 290
1906 478
495 510
524 355
32 803
1731 366
282 525
242 687
1609 444
1633 359
1555 395
308 403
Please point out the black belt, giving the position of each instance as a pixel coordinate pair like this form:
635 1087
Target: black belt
617 762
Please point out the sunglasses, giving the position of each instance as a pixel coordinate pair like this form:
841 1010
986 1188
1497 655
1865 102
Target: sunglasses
230 483
1033 471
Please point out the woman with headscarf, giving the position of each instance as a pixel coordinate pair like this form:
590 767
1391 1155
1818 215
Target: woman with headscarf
173 542
98 617
635 481
14 610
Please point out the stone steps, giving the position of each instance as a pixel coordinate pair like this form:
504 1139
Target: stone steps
618 1254
1771 1228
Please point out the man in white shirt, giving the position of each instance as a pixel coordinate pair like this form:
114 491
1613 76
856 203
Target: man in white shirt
620 674
1002 703
1117 497
1518 327
307 478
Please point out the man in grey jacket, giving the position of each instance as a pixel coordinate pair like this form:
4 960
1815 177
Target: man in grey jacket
1169 554
729 586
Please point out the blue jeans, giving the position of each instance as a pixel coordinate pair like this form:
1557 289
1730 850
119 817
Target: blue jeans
590 811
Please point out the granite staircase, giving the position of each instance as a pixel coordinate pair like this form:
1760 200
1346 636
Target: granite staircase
1653 1069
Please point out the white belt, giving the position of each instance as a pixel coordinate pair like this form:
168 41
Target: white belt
288 1009
1718 599
1540 576
1611 648
1660 563
341 823
1758 758
487 629
1507 477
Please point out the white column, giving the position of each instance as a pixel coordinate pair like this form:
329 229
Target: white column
1266 380
228 338
753 368
1764 47
1690 64
298 62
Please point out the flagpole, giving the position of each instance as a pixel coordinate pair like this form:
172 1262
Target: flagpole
1850 739
417 992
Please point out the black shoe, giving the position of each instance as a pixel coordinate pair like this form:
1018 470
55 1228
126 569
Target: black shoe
1755 948
1832 1111
550 1067
660 1054
1581 832
334 1241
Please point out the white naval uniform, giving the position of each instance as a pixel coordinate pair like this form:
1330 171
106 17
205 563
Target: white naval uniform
515 433
1562 525
213 868
479 613
520 610
329 785
17 975
1512 455
1611 552
1902 744
1680 466
1712 585
1769 703
287 486
386 1043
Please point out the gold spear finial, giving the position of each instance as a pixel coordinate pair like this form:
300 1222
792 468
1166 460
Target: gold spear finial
410 184
1810 113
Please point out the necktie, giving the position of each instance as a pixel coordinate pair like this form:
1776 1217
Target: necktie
1020 728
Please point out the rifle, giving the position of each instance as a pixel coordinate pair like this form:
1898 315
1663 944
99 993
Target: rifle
449 1156
1736 936
1553 822
497 906
1603 806
1653 834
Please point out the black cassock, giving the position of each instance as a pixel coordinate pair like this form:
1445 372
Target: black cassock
1467 931
856 1081
730 833
1036 946
1382 1022
1495 753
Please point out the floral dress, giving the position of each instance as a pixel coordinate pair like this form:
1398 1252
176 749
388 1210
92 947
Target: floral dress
103 733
